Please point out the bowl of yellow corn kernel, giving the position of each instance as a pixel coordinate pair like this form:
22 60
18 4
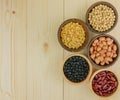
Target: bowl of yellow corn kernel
73 35
101 17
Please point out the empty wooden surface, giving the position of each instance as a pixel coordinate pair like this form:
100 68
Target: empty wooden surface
30 55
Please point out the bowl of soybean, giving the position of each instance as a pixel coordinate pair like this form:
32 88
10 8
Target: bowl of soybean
73 35
77 69
101 17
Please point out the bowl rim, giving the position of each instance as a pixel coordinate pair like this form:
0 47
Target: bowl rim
90 69
114 61
104 3
85 27
96 72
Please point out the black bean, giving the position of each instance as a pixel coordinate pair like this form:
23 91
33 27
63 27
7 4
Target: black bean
76 69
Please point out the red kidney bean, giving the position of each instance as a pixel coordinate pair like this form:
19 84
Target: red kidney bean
105 94
97 92
109 88
93 82
110 74
100 92
103 78
110 82
113 85
100 83
102 74
105 86
96 87
96 76
116 84
104 83
108 77
104 91
109 91
114 90
99 79
113 79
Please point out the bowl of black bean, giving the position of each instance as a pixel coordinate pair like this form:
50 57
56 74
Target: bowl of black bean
77 69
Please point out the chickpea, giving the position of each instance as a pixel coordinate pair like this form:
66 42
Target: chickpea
100 58
108 54
105 47
102 38
102 63
95 48
104 43
97 54
96 41
114 55
91 50
111 55
97 61
114 47
93 56
109 48
99 48
109 42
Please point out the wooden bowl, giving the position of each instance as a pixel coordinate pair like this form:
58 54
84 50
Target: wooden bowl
86 34
114 60
90 69
92 77
96 4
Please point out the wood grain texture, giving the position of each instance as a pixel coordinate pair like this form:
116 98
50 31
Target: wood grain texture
30 55
44 54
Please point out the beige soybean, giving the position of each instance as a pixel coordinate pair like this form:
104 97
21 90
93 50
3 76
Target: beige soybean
101 18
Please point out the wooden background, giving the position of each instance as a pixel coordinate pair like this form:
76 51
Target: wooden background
30 55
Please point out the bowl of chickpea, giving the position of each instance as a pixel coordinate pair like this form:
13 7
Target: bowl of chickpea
101 17
103 50
73 35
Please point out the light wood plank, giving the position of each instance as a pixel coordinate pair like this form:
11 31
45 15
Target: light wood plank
6 55
44 54
18 46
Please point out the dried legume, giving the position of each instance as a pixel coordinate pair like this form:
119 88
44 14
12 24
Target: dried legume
76 69
104 83
102 18
103 50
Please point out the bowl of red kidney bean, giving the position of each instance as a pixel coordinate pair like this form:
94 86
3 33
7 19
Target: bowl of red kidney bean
77 69
104 83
